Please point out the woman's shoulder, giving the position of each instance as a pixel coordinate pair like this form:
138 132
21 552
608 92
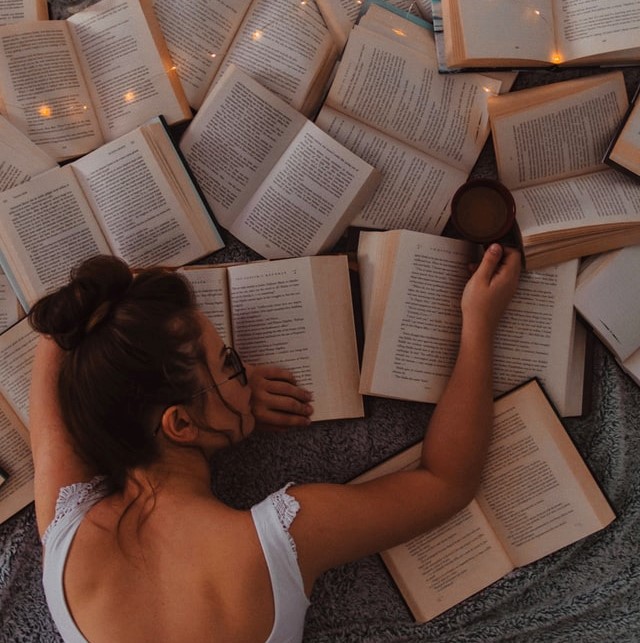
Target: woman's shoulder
74 501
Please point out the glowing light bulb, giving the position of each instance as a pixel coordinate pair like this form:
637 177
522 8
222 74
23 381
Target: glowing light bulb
256 35
556 59
44 111
399 32
536 12
213 55
129 96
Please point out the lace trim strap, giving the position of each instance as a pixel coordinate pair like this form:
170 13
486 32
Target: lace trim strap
72 496
287 508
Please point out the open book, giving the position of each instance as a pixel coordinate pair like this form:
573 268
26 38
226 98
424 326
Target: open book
423 131
274 179
284 45
537 496
17 350
20 159
608 297
20 10
295 313
132 197
504 33
549 144
99 74
11 310
411 287
624 151
341 15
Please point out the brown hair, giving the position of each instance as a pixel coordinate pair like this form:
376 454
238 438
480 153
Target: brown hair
132 348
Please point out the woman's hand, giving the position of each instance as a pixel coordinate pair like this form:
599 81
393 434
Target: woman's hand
490 288
276 401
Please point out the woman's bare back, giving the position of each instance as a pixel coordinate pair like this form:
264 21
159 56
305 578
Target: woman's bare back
192 570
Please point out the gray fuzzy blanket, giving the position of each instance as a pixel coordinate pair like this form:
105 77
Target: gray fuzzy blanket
586 592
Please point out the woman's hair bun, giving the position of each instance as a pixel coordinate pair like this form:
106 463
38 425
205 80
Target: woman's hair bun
73 311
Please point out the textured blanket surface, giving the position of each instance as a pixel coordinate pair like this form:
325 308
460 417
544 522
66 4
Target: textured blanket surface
586 592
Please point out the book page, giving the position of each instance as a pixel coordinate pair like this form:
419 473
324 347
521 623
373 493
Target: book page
15 459
341 15
385 85
442 567
415 189
276 319
140 215
592 27
535 336
180 181
413 319
626 150
335 310
129 76
47 228
21 10
287 48
309 198
411 304
445 565
211 289
48 101
10 309
198 35
608 297
17 352
597 199
504 29
536 490
20 159
405 27
234 140
548 134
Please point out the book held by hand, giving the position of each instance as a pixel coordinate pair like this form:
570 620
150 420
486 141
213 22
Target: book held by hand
411 286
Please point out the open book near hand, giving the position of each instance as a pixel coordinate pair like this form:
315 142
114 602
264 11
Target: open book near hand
608 297
284 45
273 178
17 350
99 74
133 198
423 131
504 33
537 496
411 286
549 144
295 313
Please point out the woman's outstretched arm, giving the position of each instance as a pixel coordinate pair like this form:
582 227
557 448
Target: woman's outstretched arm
339 523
